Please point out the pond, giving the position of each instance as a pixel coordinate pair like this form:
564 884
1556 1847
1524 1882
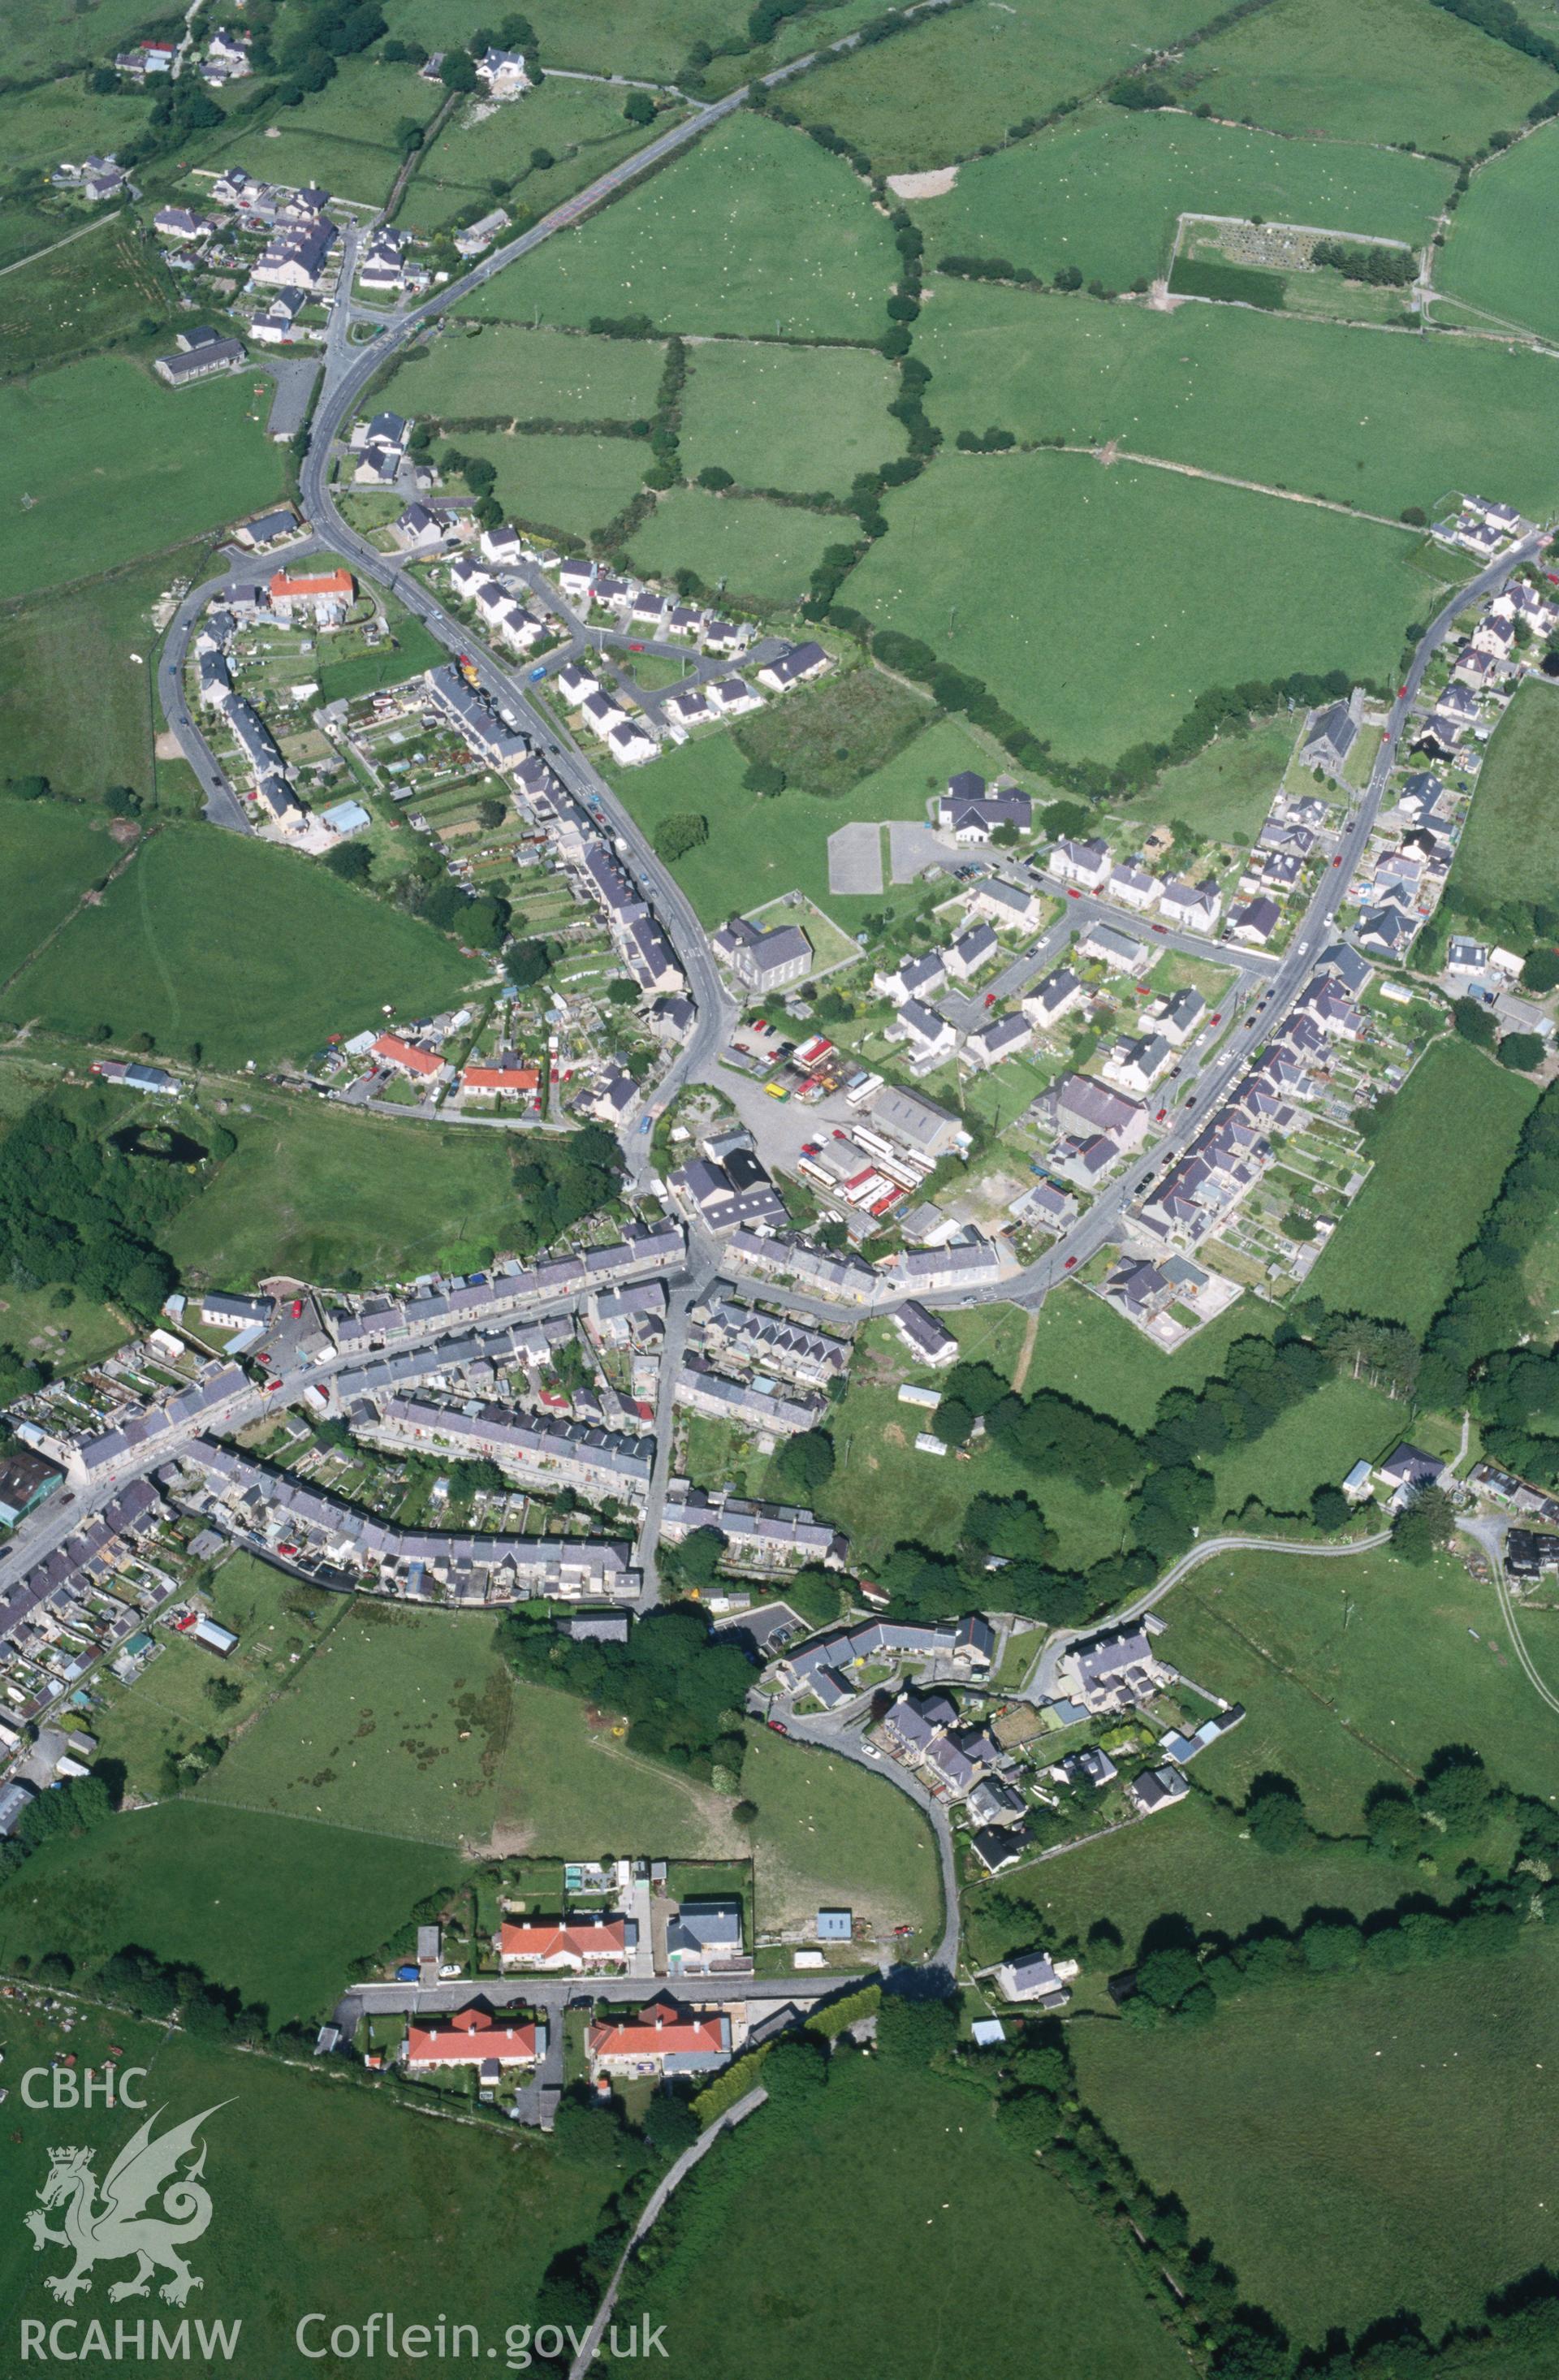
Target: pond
160 1141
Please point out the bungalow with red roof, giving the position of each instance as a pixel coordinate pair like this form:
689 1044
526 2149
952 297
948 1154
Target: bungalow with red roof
409 1057
588 1939
498 1082
326 595
473 2037
661 2039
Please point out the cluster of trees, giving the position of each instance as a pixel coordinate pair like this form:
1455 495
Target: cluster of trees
76 1209
1523 1052
67 1809
680 833
561 1179
682 1694
481 921
989 268
1488 1308
1183 1975
1503 22
988 442
665 465
1143 91
1387 268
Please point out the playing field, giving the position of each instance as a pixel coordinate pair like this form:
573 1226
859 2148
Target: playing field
752 231
1438 1163
1104 191
1364 419
959 80
760 847
1223 586
1353 1671
759 552
1378 2087
1507 851
576 486
97 289
578 125
251 951
801 418
49 853
314 1191
100 463
1501 234
1406 72
531 376
303 2169
893 2171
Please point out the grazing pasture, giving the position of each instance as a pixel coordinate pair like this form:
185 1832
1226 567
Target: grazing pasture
100 463
1499 240
1407 71
1224 585
1104 192
1363 419
250 951
805 419
753 231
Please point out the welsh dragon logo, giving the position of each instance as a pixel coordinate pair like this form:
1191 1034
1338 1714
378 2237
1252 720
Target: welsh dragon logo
104 2222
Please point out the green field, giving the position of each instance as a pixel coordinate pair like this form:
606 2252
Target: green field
78 708
1313 406
1504 226
766 846
1223 586
831 1835
411 1722
49 853
880 2159
1510 826
1353 1671
66 121
341 137
529 376
1378 2088
99 463
600 36
887 1491
271 1907
96 290
578 124
1439 1160
804 420
1196 1863
753 231
1406 72
956 81
250 951
759 552
39 40
1225 792
302 2168
312 1190
573 485
1104 191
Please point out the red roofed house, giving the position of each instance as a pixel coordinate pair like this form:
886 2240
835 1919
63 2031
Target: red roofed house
391 1050
327 595
661 2039
589 1939
494 1081
474 2038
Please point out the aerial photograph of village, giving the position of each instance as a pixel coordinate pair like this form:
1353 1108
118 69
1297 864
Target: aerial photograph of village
779 1188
